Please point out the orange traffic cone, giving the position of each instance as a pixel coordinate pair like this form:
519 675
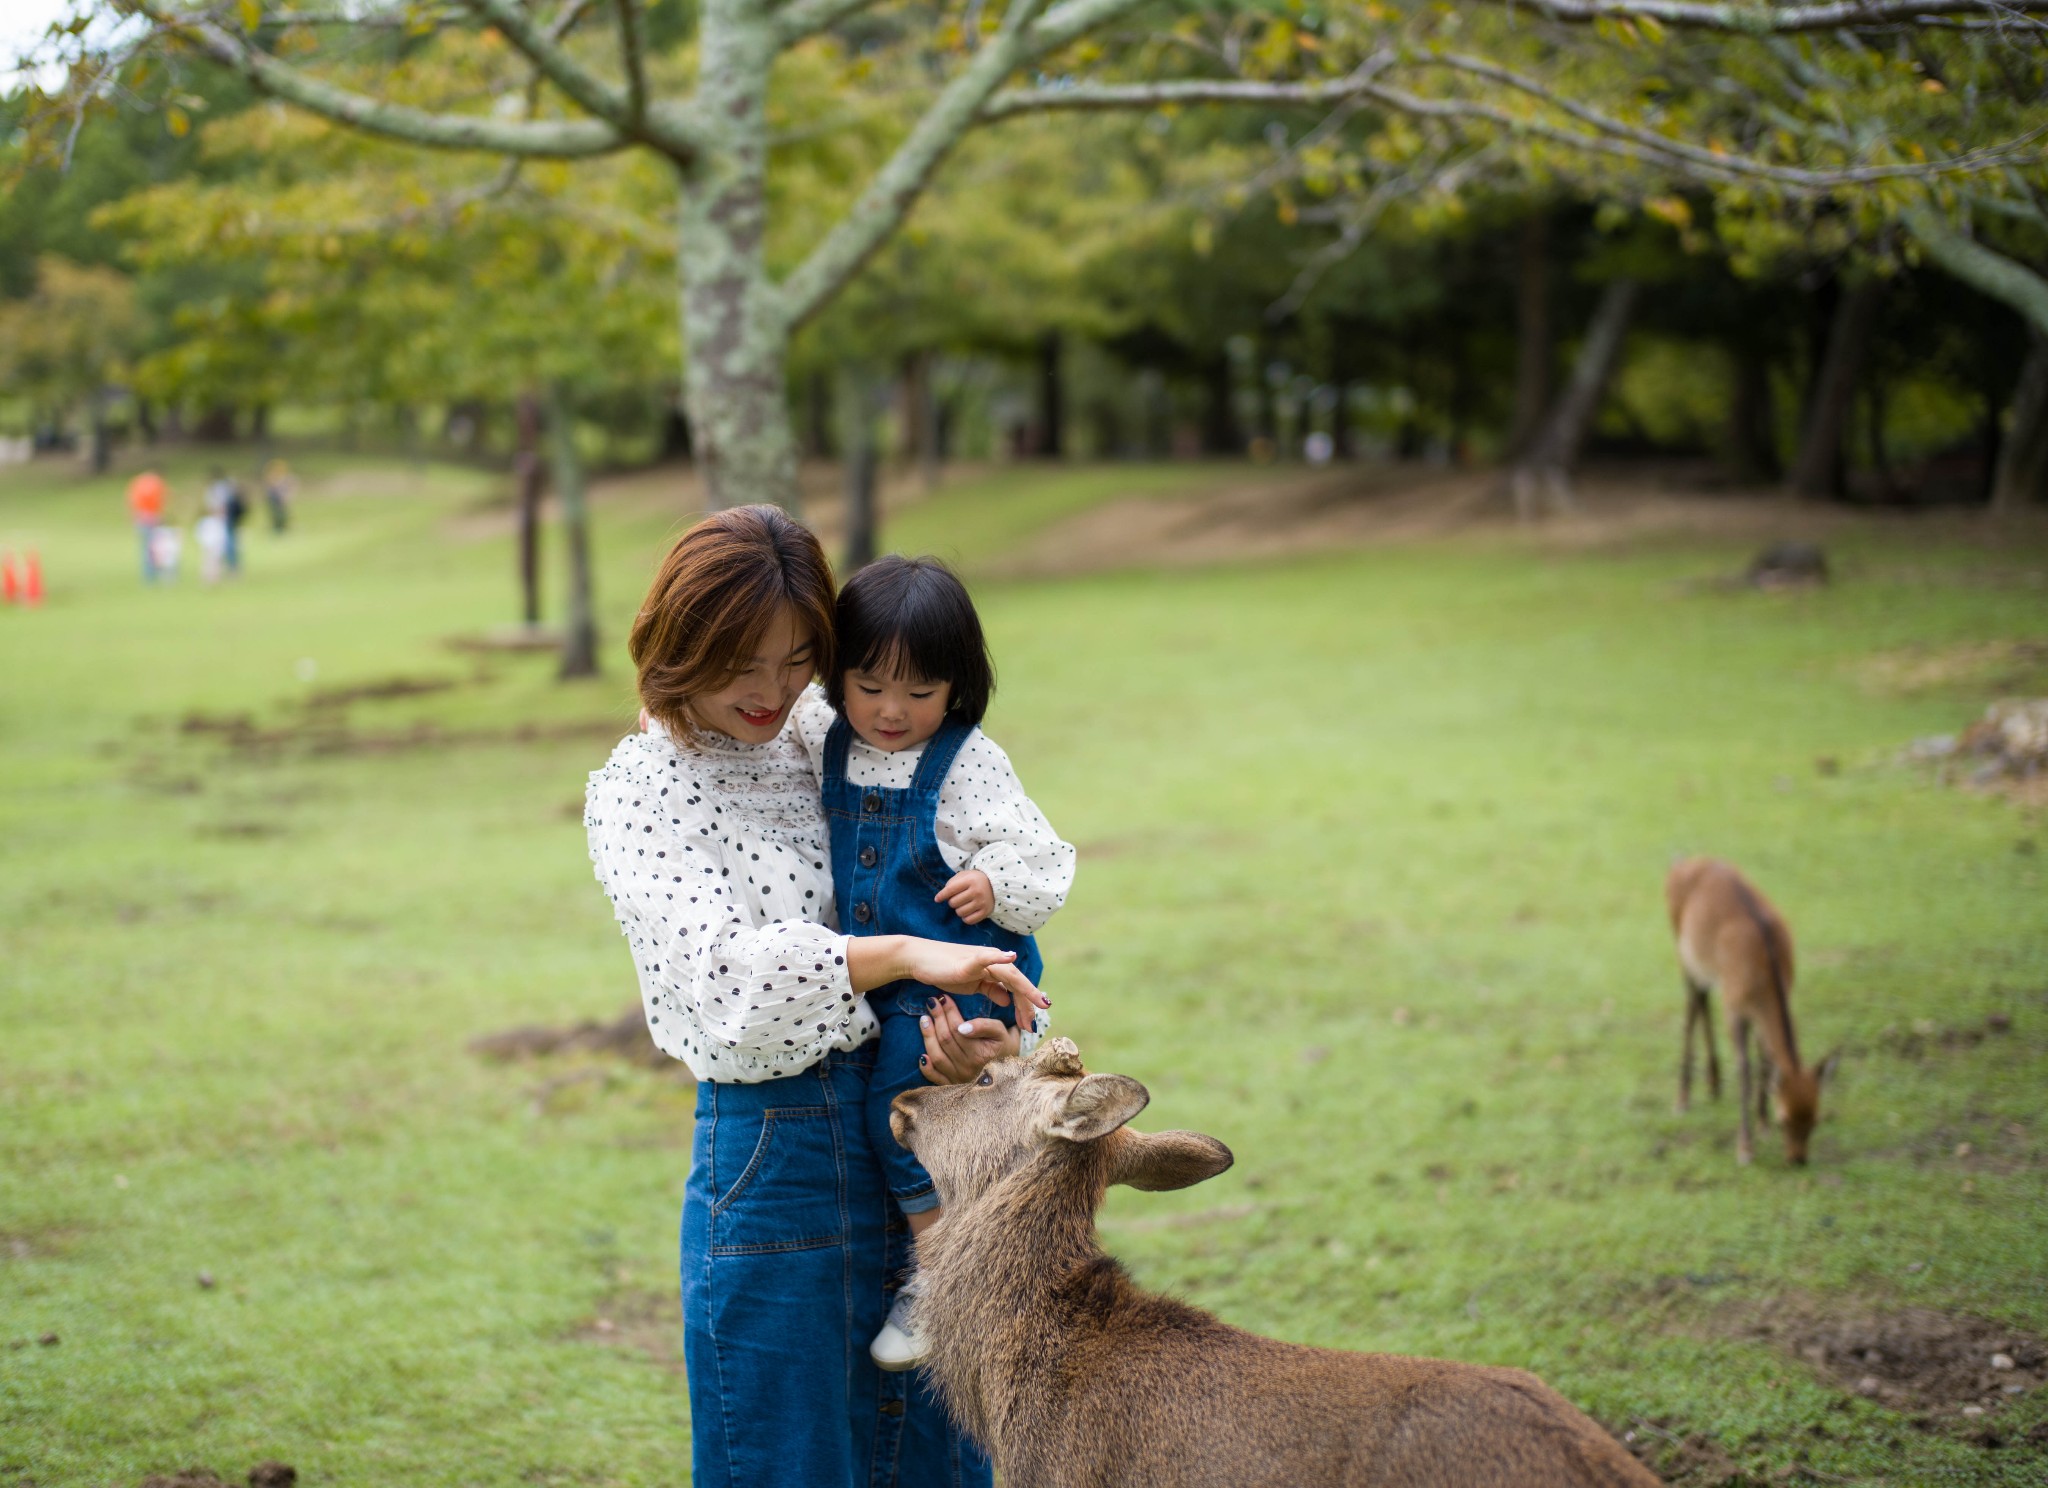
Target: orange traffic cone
32 580
10 579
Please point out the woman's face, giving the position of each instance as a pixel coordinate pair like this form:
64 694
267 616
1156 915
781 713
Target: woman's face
752 706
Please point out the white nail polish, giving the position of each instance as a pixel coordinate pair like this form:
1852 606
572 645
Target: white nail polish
966 1028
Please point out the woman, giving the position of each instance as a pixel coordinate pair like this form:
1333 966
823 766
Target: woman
707 834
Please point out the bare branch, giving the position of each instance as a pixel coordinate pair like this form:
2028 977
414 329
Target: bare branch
1758 20
897 186
629 57
1979 267
801 18
565 22
1070 20
562 139
1102 96
670 130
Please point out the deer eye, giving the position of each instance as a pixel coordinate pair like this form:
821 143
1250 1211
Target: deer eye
986 1079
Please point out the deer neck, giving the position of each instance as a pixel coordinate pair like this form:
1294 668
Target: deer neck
994 1269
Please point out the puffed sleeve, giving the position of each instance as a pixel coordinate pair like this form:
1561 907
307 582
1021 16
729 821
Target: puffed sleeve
814 717
986 815
777 991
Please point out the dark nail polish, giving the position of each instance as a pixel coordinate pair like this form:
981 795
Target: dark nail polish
922 1060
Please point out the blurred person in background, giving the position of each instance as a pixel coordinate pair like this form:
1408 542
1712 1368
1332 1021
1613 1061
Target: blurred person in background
278 485
146 494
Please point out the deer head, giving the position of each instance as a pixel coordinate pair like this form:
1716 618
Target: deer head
1796 1101
969 1137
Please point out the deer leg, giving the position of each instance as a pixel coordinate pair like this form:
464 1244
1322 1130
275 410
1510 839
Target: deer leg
1738 1034
1765 1076
1713 1055
1692 1012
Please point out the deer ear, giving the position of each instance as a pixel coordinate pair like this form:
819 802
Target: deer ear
1156 1161
1827 1067
1096 1106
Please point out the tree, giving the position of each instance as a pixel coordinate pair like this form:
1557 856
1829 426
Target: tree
68 341
582 95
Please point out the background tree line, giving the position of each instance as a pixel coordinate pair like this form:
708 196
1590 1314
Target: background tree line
1806 252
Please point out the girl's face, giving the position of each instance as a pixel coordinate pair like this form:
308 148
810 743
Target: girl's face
895 712
752 706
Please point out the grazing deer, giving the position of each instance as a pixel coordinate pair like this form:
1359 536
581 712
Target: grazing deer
1080 1379
1730 937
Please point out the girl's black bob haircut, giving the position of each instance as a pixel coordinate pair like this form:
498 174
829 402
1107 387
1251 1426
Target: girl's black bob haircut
911 617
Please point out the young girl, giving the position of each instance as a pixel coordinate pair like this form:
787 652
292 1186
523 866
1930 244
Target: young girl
932 834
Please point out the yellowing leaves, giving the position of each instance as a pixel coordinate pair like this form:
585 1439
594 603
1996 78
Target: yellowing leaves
177 121
1675 210
251 12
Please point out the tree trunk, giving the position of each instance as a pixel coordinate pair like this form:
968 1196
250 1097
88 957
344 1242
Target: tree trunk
1052 402
919 414
145 420
526 480
818 442
675 430
863 468
1220 434
579 641
735 333
1534 353
2021 476
1546 471
1752 420
1819 468
102 437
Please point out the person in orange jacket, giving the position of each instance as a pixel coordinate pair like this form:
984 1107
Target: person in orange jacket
147 494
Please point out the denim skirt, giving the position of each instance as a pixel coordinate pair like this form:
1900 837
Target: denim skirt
790 1250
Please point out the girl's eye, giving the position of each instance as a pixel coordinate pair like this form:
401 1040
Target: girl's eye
986 1079
920 696
871 692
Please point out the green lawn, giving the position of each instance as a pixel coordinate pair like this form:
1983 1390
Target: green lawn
1371 853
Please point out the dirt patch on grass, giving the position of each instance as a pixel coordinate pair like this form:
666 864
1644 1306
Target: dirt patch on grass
1939 1365
624 1037
262 1475
1272 514
1683 1459
1991 666
648 1323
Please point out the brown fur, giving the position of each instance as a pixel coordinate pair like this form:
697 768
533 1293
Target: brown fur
1732 938
1078 1378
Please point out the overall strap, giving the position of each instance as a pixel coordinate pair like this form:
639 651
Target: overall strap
836 740
939 753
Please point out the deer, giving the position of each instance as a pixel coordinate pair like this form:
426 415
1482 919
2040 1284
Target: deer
1079 1378
1732 938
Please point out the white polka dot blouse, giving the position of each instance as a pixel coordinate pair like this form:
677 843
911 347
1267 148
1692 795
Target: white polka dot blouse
713 854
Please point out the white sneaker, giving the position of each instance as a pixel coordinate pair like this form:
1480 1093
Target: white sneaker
899 1346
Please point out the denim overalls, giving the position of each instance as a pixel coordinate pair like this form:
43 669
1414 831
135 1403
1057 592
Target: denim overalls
886 868
788 1245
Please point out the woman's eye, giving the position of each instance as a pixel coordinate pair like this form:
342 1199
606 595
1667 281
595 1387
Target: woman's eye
986 1079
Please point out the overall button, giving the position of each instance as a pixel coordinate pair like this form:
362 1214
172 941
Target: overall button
871 804
867 857
892 1407
862 913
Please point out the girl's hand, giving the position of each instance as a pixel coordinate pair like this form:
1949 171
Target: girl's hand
956 1051
970 894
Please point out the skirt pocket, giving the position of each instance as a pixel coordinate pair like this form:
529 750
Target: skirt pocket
788 1192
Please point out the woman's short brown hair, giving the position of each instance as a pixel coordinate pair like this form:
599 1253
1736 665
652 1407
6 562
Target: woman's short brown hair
718 590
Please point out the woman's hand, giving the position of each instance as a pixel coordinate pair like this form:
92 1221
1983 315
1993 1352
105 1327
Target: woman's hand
963 970
957 1050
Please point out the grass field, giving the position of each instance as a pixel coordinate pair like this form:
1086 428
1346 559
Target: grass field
1371 850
